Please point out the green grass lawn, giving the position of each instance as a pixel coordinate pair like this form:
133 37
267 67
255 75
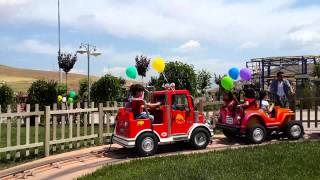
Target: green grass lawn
277 161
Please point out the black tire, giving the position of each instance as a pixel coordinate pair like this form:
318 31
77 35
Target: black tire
294 130
200 138
256 134
146 144
229 134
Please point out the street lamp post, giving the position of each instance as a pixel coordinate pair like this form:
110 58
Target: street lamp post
90 50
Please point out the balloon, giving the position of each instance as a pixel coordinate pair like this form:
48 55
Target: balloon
64 99
234 73
227 83
245 74
131 72
158 64
70 100
72 94
60 98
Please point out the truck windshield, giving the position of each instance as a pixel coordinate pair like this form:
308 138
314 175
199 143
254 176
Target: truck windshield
159 98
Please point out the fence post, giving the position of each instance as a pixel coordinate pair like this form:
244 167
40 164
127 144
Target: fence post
47 131
100 134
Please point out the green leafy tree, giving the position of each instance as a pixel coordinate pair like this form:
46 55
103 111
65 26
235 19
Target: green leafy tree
316 70
107 88
203 80
142 65
43 93
183 75
153 81
62 89
6 96
83 89
217 80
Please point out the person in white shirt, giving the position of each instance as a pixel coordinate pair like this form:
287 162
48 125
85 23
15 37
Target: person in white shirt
264 103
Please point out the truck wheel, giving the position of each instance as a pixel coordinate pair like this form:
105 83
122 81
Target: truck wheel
294 130
200 138
229 134
146 144
256 134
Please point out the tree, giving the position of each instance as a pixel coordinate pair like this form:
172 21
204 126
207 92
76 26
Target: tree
83 89
217 80
62 89
107 88
203 80
183 75
153 81
316 70
66 63
6 96
142 65
43 93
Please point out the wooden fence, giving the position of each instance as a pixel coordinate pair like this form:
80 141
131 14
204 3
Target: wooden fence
54 128
308 111
60 127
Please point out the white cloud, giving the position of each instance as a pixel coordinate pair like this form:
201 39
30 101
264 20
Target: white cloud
221 21
36 47
249 45
305 37
115 71
192 44
232 24
189 46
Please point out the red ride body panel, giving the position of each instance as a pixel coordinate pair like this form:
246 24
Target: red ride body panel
181 121
239 119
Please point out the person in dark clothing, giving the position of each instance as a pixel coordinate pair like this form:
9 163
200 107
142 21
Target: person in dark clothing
281 90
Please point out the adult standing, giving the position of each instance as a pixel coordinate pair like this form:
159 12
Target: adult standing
282 90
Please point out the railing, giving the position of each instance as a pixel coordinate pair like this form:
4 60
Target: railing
308 111
54 128
61 127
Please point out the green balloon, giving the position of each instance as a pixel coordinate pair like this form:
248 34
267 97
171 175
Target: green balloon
131 72
72 94
227 83
70 100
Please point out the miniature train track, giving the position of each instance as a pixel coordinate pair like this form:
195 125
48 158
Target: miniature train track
96 159
28 170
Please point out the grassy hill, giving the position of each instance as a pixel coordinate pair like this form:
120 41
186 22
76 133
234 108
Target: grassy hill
21 79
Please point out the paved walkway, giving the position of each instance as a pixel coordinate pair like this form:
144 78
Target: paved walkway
81 162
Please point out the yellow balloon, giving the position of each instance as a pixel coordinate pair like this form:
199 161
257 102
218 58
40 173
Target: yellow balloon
158 64
59 98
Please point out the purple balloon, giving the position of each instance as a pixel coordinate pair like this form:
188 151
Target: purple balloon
245 74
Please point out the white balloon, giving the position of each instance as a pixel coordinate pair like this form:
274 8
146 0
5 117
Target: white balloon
64 99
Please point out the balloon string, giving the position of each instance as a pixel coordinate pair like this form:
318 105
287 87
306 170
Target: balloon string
164 75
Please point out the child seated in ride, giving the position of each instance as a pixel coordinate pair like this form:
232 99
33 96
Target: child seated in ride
138 104
249 98
228 100
264 103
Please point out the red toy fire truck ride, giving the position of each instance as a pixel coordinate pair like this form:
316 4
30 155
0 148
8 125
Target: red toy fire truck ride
175 120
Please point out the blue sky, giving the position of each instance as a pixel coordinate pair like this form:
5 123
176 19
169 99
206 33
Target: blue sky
210 34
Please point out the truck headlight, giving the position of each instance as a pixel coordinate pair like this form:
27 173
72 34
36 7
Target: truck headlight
126 124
